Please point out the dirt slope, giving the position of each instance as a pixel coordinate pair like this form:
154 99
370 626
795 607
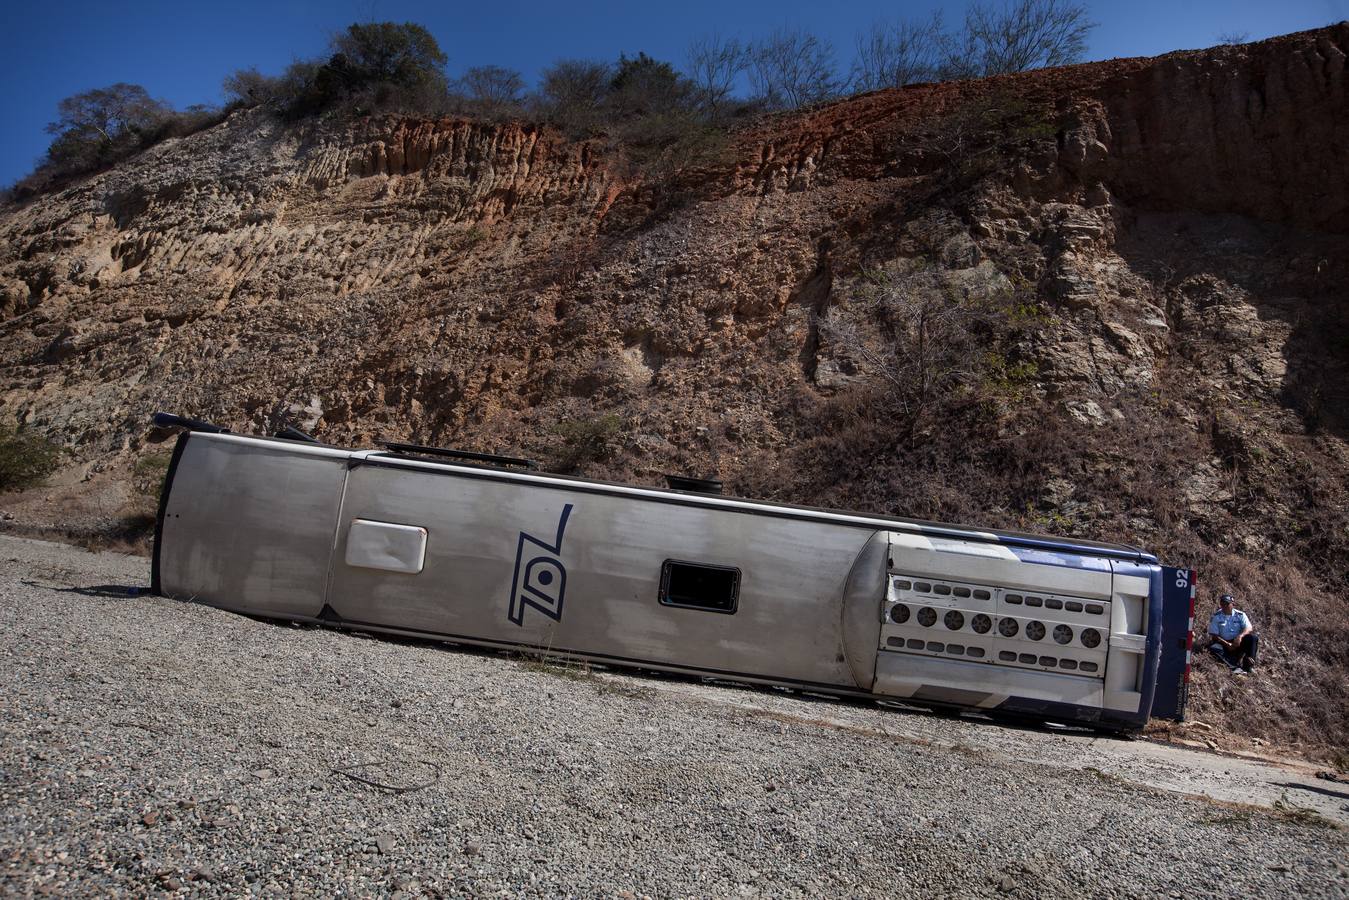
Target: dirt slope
1166 241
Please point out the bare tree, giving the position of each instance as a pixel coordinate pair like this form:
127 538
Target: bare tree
1020 35
714 64
110 113
793 68
572 93
492 88
893 55
926 341
102 125
1233 38
249 87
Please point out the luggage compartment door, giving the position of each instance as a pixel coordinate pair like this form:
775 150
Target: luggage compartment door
511 560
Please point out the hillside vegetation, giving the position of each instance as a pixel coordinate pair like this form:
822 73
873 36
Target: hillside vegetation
1104 300
655 115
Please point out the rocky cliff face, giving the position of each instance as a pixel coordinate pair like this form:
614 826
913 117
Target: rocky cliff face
1166 241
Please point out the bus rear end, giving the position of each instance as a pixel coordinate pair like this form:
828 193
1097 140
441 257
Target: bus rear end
1173 670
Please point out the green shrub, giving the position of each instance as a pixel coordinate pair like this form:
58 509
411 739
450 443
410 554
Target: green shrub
26 459
95 123
641 102
100 128
404 54
374 67
585 441
643 86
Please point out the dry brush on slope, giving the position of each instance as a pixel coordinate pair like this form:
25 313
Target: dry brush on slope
1152 255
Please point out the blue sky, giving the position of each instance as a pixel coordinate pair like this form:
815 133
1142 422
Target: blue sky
180 51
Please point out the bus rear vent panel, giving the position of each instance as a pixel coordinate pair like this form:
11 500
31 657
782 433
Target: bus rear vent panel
1002 627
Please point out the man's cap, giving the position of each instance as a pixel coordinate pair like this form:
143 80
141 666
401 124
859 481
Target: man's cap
1226 598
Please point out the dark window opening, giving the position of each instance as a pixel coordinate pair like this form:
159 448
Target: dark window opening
697 586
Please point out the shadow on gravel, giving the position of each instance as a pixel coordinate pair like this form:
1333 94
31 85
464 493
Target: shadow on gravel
1012 722
901 706
115 591
1314 789
564 663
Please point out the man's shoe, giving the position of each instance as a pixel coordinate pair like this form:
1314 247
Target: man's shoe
1240 672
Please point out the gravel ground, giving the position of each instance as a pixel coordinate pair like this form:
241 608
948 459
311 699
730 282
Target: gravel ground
148 745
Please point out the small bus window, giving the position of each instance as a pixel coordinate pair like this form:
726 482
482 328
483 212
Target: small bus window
698 586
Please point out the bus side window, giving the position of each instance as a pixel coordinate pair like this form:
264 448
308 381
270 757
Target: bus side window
699 586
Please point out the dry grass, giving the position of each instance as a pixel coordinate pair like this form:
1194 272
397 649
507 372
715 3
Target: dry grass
1279 543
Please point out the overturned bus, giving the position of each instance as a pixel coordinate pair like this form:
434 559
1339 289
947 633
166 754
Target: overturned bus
486 551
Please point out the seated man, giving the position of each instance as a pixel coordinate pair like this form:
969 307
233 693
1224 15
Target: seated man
1234 639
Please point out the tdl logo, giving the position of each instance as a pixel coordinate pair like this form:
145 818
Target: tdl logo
540 579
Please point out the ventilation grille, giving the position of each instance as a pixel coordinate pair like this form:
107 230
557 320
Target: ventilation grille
997 626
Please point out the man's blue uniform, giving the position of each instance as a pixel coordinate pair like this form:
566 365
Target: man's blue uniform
1229 624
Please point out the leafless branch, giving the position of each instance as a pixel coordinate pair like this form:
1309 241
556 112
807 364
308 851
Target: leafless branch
493 86
1021 35
928 345
792 68
893 55
714 64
